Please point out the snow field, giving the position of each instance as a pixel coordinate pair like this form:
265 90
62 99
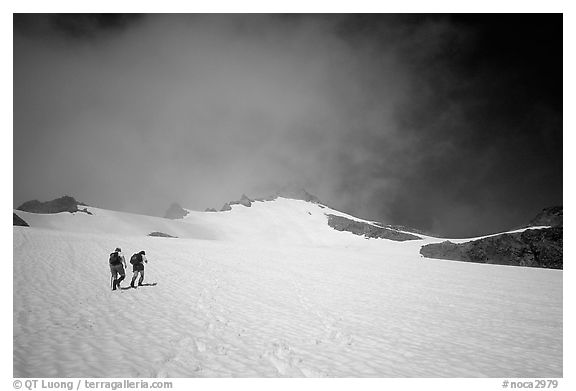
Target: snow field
360 308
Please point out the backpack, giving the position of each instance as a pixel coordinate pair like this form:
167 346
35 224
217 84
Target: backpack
136 258
115 259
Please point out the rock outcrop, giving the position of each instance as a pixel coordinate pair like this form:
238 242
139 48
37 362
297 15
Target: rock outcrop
295 194
292 193
62 204
532 248
175 211
244 200
340 223
18 221
160 235
298 194
406 229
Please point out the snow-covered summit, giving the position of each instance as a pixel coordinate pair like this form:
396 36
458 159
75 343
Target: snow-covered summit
266 221
274 220
277 220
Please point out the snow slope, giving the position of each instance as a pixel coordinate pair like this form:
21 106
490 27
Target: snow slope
104 221
265 292
280 221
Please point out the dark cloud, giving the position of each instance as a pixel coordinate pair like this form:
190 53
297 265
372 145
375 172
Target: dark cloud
446 123
496 120
75 26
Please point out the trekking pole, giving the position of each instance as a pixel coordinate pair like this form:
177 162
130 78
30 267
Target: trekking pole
111 281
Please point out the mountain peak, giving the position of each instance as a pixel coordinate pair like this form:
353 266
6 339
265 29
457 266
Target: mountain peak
294 193
244 200
297 194
286 192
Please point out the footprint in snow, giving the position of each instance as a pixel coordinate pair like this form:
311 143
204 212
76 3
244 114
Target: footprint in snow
284 360
200 345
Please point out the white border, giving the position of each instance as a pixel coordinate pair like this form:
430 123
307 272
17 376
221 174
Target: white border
302 6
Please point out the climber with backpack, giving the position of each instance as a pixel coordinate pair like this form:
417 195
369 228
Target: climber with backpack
117 266
138 260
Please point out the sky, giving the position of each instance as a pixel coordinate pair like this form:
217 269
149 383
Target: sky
447 123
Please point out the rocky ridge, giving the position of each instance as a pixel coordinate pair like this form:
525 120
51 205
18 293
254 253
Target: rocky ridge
340 223
58 205
532 248
244 200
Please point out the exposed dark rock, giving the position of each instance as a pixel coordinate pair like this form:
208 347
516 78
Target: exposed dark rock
210 210
268 198
533 248
175 211
161 235
445 250
17 220
85 210
244 200
292 193
340 223
298 194
406 229
62 204
548 217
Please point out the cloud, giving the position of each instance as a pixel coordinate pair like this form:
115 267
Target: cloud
200 101
135 113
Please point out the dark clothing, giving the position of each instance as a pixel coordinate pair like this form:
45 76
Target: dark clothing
138 261
139 280
117 269
115 259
